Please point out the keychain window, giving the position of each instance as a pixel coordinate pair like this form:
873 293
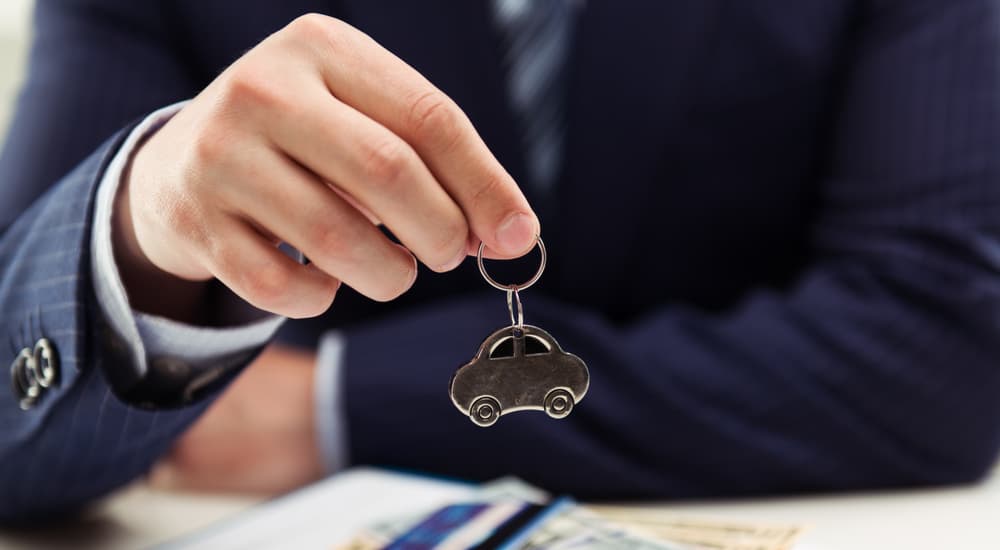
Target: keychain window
533 345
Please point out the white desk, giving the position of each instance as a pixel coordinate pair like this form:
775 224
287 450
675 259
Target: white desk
939 519
958 518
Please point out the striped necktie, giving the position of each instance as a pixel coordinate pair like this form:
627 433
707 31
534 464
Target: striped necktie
536 36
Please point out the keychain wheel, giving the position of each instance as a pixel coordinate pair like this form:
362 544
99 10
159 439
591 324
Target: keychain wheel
485 411
559 403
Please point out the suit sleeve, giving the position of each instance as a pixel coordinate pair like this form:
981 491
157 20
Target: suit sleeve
95 66
880 367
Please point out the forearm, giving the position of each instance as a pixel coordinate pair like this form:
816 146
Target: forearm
94 437
76 441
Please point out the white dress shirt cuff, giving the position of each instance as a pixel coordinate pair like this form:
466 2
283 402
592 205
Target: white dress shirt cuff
150 336
331 418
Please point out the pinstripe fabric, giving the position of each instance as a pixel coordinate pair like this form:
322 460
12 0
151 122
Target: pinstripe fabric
79 441
29 287
816 183
99 442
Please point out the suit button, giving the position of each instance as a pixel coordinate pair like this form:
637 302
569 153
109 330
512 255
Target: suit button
22 379
46 363
33 371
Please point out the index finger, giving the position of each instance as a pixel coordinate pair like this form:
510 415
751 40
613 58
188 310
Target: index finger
363 74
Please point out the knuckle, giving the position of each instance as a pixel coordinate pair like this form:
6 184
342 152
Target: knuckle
310 26
268 284
327 238
250 87
434 119
210 146
488 189
386 161
319 33
452 237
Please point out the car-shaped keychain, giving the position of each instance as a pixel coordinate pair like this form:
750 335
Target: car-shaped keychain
516 369
519 367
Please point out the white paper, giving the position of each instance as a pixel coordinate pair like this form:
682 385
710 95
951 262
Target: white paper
328 513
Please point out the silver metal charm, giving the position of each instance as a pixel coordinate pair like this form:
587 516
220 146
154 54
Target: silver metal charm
518 368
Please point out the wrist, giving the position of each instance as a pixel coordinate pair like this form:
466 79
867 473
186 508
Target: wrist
149 288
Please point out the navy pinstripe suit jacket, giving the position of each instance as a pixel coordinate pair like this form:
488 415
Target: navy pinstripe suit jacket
775 239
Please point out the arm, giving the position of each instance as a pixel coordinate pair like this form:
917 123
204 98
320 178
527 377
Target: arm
77 426
879 368
78 440
249 162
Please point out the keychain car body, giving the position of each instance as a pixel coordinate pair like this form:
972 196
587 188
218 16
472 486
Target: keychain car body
519 368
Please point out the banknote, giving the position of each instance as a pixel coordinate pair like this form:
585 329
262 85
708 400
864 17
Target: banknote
700 533
579 529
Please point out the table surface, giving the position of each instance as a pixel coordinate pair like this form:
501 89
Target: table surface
954 518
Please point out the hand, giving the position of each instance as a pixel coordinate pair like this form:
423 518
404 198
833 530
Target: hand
259 437
308 139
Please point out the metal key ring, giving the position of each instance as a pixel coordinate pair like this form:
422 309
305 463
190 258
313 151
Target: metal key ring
506 288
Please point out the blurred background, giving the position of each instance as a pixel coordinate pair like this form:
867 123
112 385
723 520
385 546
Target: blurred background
15 16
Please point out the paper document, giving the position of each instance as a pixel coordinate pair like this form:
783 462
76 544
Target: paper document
370 509
327 513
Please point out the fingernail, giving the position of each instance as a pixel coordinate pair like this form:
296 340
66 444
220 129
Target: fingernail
416 269
517 233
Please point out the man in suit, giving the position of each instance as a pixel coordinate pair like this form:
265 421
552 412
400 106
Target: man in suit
772 232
